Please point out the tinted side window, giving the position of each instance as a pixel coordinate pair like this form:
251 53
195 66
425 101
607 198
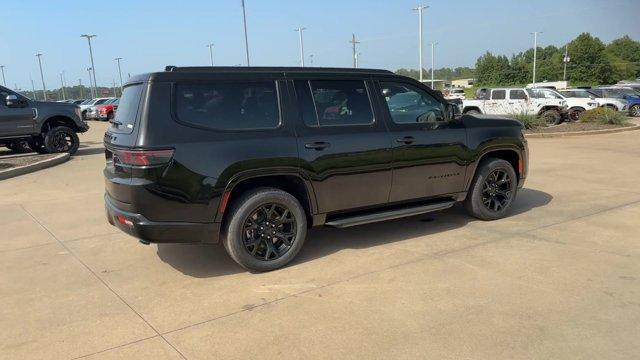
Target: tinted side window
498 94
341 102
128 110
408 104
517 95
223 105
305 103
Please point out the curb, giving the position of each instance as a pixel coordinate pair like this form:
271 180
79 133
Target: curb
42 164
580 133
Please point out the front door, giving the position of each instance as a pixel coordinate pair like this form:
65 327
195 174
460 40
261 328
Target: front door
428 149
15 120
345 150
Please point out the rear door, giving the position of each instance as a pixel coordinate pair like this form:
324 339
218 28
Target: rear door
428 149
15 121
345 149
497 104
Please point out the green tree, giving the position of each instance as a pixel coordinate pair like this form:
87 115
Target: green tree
589 63
624 54
492 70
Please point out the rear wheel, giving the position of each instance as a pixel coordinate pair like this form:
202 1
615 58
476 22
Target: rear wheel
493 190
61 139
635 110
551 117
266 229
37 144
574 113
472 112
18 146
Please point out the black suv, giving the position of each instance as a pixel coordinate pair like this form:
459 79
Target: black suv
256 156
45 127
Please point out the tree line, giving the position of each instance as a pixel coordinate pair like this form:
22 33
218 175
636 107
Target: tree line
591 63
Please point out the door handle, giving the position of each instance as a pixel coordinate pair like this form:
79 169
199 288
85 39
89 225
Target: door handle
406 140
317 145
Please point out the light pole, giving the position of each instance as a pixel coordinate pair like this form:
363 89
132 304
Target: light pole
119 73
44 88
300 30
353 49
566 60
210 46
535 53
433 64
33 88
93 68
4 81
357 57
246 38
93 91
81 91
64 95
419 9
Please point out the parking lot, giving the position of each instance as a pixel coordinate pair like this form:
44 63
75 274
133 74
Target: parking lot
560 278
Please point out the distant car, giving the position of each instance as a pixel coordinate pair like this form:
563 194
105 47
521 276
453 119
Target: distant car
106 112
546 103
611 103
628 94
87 109
578 103
455 94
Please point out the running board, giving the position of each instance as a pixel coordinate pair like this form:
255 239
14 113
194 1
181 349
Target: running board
388 215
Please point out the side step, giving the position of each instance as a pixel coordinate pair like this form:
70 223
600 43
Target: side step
388 214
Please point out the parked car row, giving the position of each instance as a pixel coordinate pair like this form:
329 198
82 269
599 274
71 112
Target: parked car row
99 108
554 105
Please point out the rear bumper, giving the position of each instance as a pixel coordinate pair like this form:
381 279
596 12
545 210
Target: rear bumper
160 232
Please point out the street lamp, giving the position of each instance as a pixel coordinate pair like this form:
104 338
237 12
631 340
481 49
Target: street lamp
419 9
93 94
433 65
210 46
44 88
119 73
93 68
4 81
246 38
535 53
300 30
64 95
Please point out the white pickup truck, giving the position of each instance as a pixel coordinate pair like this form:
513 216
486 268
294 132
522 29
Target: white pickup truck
546 103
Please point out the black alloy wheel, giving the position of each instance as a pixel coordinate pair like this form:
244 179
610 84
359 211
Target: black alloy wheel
574 114
62 141
269 231
497 190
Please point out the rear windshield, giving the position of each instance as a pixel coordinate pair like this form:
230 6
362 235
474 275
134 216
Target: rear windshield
127 109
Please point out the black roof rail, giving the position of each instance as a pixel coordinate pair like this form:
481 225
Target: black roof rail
172 68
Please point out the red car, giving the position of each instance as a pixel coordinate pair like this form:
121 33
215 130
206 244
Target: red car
107 111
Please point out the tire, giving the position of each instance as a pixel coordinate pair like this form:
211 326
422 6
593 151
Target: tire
37 144
61 139
248 219
19 147
472 112
481 200
551 117
574 113
635 110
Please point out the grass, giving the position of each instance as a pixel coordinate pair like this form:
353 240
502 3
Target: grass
603 116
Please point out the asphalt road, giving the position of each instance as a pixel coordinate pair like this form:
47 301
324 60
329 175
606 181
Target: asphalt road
560 278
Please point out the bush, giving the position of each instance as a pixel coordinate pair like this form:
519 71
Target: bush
530 122
603 115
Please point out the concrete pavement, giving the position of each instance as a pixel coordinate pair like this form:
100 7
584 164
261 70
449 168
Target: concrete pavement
560 278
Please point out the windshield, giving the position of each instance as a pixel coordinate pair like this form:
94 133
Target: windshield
403 100
457 91
544 94
576 94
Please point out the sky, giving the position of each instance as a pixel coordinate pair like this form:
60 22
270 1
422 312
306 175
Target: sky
150 34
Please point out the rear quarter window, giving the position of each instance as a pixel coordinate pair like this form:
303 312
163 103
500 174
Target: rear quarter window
127 113
225 105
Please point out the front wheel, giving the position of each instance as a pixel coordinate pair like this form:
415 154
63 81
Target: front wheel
266 229
551 117
61 139
635 110
493 190
574 113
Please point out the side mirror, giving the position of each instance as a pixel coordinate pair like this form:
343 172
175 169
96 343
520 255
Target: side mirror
13 101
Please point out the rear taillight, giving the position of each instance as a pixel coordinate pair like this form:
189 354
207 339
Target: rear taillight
142 157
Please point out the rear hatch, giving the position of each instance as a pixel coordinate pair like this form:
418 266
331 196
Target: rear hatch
122 136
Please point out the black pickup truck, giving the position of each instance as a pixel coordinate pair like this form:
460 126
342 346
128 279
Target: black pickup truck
45 127
255 156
